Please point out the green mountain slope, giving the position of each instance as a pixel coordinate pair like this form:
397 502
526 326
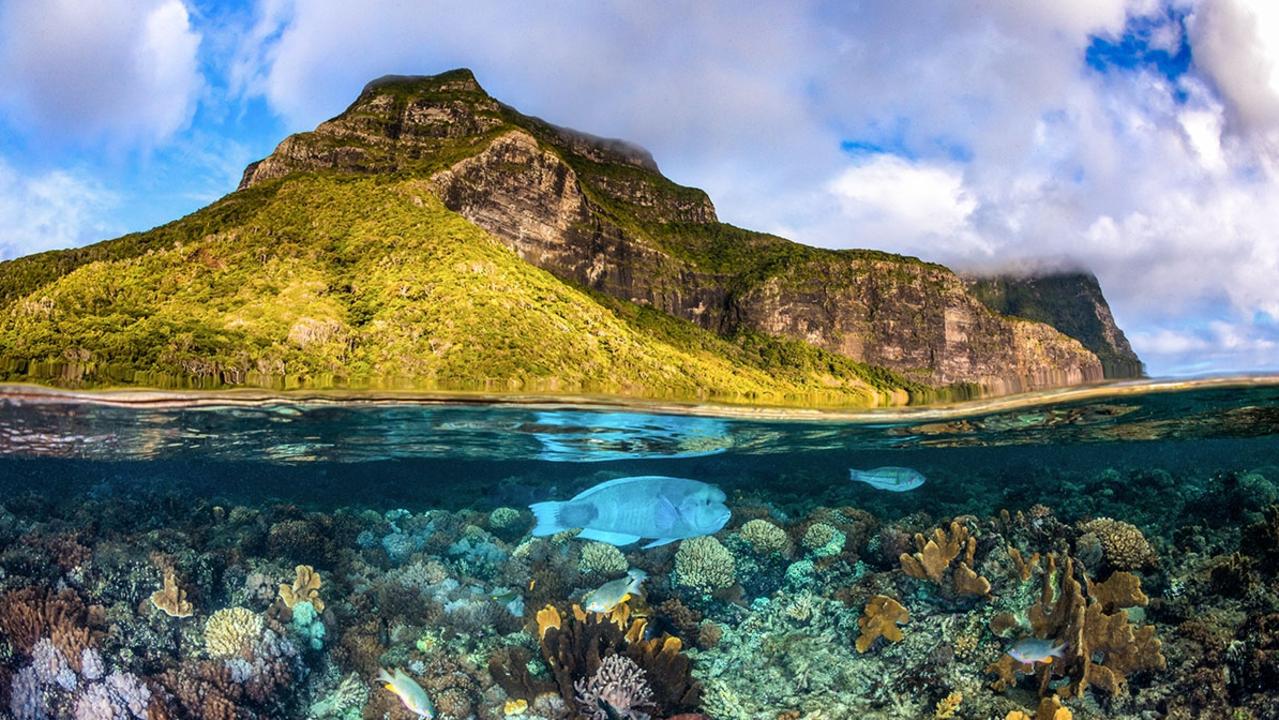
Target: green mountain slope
325 280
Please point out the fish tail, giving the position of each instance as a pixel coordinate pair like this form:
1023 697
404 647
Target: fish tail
637 578
548 518
384 676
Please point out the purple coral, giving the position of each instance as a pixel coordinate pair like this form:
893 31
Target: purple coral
618 685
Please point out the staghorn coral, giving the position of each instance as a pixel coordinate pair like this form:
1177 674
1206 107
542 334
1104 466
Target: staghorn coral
880 619
1102 647
28 614
948 706
934 557
1123 545
600 560
704 564
231 631
171 599
765 537
305 588
617 690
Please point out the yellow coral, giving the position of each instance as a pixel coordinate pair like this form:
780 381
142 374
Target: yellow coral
305 588
765 537
601 559
228 632
880 619
947 706
935 555
172 599
704 564
515 707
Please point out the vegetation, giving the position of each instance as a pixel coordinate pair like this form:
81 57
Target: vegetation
326 279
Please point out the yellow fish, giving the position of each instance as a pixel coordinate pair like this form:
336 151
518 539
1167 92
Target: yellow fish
409 692
614 592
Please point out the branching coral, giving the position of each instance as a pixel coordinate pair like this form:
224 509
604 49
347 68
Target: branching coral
935 556
601 560
1123 544
704 564
1049 709
305 588
172 599
229 632
880 619
765 537
823 540
617 689
1102 647
28 614
574 646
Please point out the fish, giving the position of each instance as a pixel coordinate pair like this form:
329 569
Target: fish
893 479
614 592
505 596
409 692
1030 651
620 512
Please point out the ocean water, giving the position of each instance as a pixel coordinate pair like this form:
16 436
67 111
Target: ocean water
1135 529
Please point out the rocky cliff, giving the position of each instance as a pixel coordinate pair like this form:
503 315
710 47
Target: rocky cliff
599 213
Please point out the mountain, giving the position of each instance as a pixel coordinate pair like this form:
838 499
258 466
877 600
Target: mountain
432 237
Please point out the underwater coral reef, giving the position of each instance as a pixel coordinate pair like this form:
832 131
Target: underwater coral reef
155 604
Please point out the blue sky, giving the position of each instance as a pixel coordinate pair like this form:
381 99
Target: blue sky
1135 138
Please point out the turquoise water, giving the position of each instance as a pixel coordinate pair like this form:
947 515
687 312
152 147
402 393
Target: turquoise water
414 516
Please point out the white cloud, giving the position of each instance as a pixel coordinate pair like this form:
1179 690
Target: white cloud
906 204
1020 151
54 210
117 71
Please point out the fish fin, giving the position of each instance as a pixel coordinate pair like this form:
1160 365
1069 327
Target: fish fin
384 676
548 518
611 538
659 542
667 514
614 483
637 577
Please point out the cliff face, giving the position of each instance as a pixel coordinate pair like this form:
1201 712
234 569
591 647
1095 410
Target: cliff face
598 213
1073 303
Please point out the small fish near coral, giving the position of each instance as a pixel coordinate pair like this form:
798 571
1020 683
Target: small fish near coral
614 592
409 692
892 479
1035 651
620 512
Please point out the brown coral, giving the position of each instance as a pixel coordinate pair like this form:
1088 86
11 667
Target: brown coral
1123 545
880 619
305 588
172 599
934 558
1049 709
1102 647
574 645
28 614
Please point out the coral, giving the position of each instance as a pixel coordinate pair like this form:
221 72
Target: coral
600 560
1049 709
823 540
231 631
515 708
948 706
574 645
1102 647
171 599
307 624
305 588
1024 566
349 696
934 557
765 537
616 690
28 614
1123 544
880 619
704 564
504 517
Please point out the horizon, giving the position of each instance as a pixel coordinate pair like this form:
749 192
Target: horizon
1118 138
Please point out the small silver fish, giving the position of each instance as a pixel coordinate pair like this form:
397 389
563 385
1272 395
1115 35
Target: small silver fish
614 592
893 479
1031 651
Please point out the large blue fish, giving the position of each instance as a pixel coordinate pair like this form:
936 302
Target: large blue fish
621 511
893 479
